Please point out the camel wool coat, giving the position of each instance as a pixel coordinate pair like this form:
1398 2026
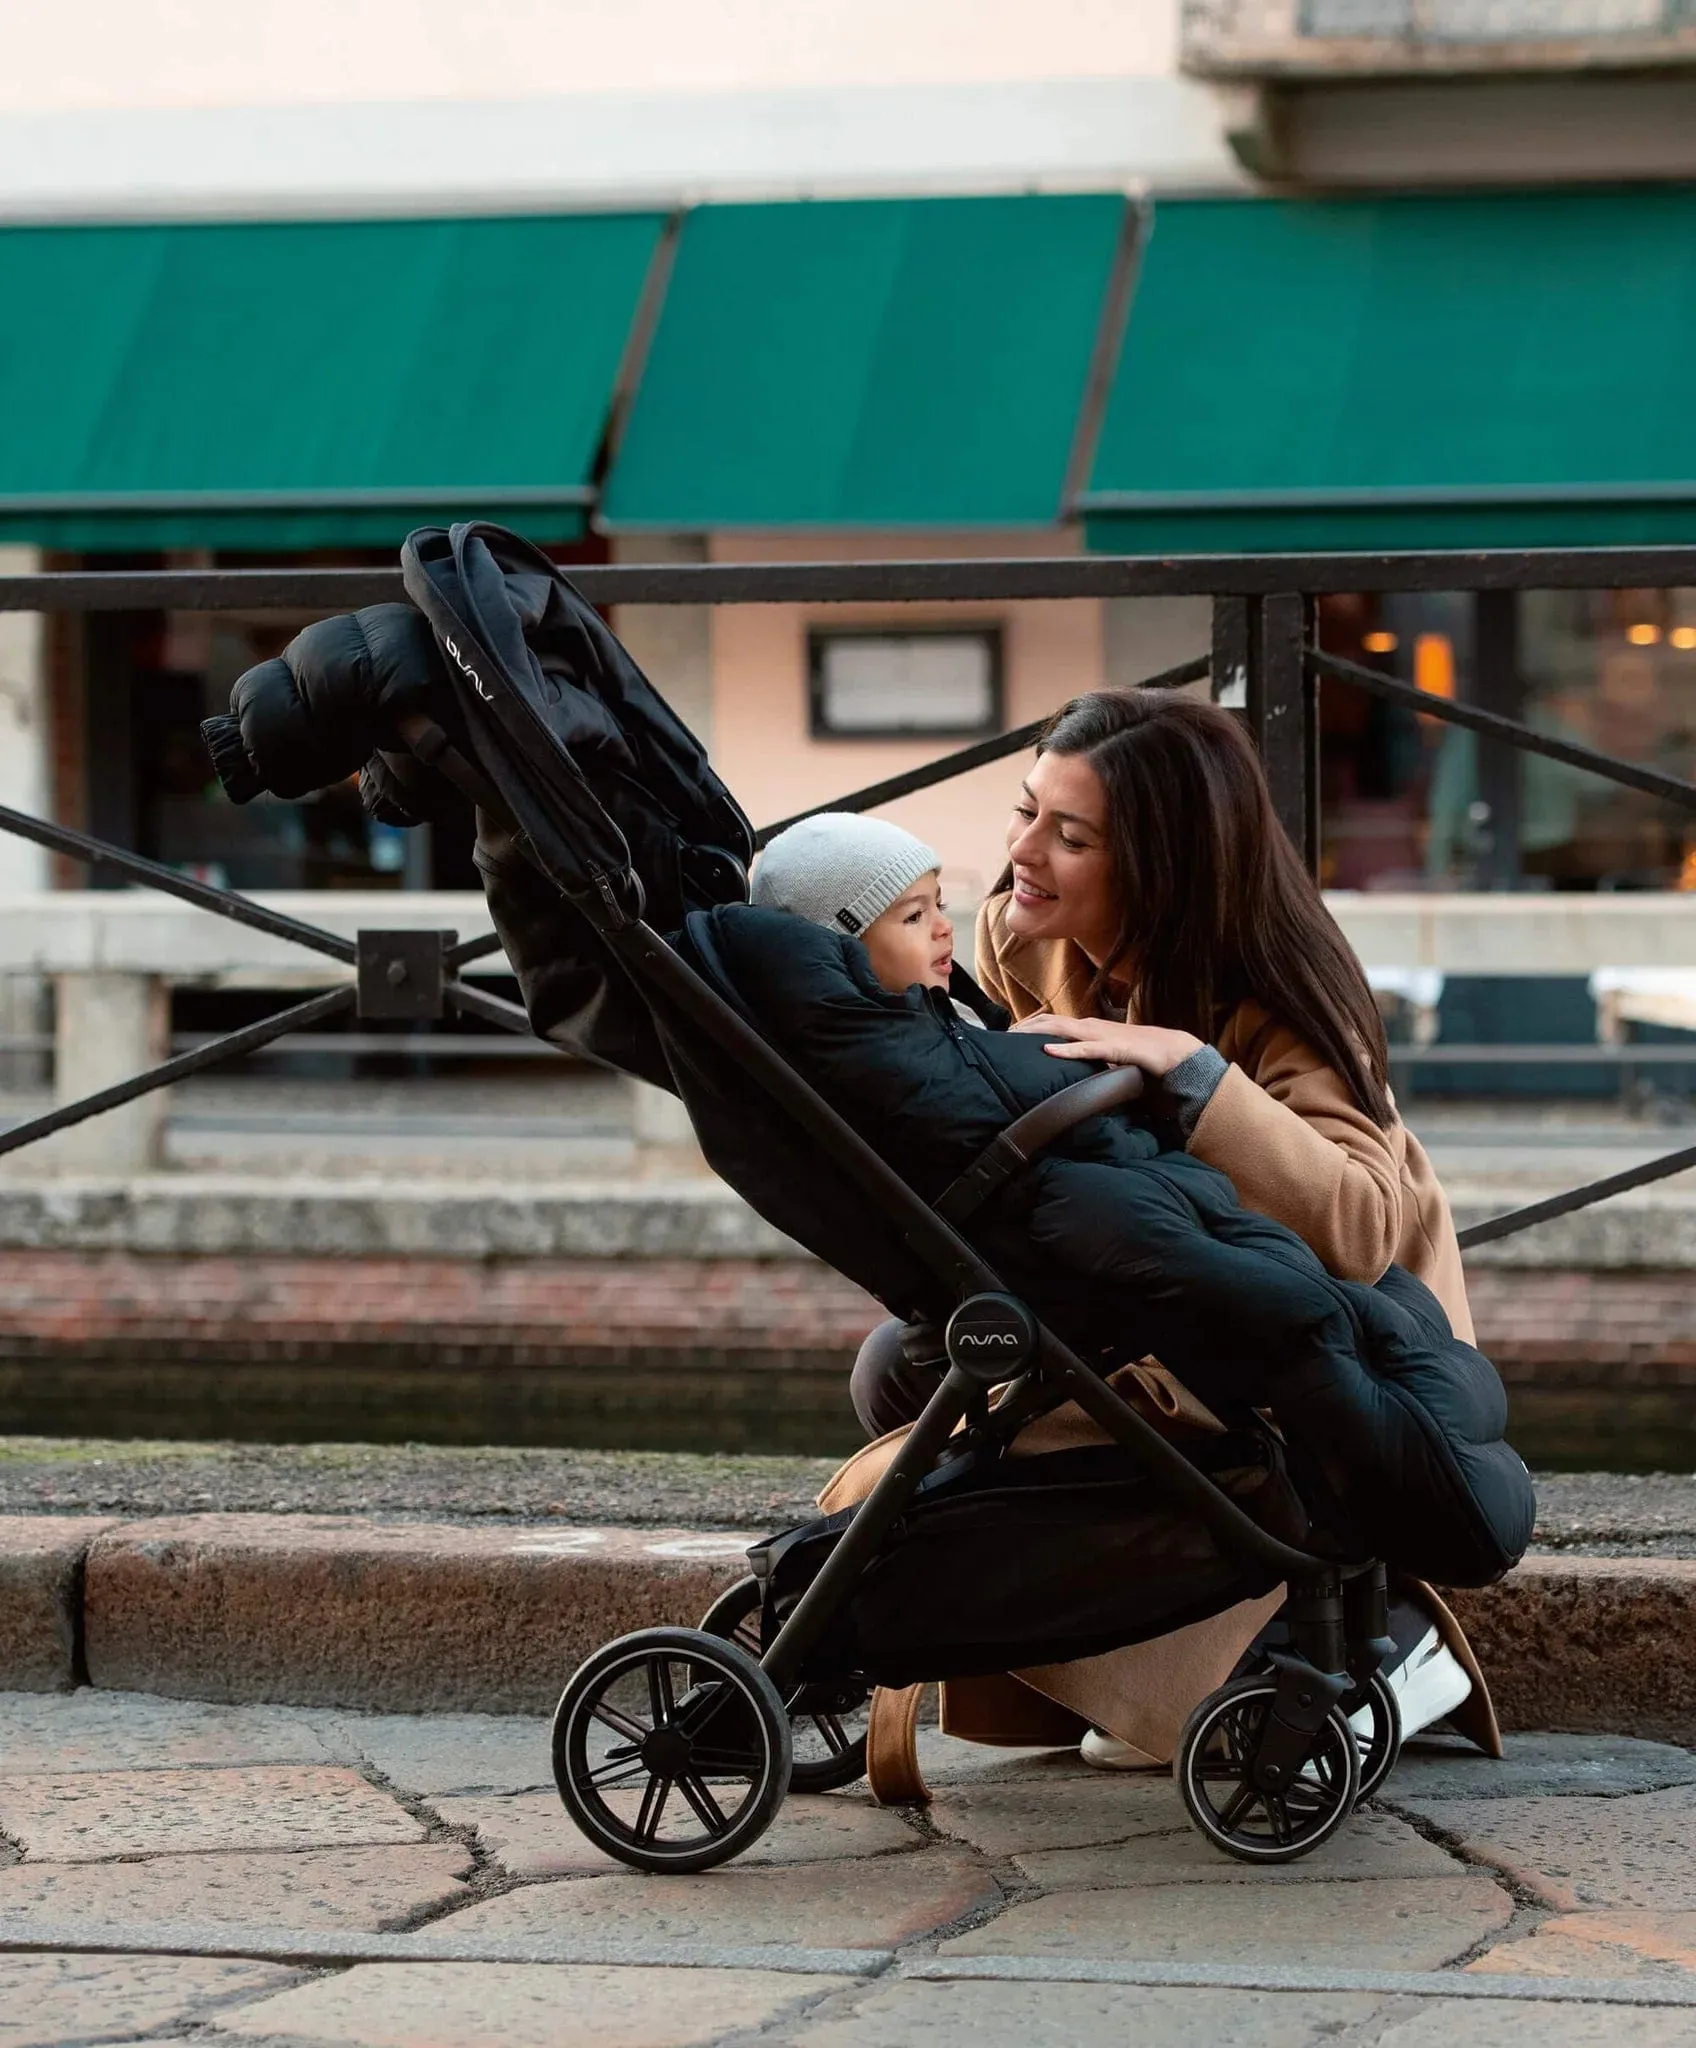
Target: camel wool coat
1281 1124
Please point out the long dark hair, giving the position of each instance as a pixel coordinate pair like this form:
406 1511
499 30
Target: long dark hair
1215 904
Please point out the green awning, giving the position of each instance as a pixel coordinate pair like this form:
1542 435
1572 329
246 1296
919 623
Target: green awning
869 363
301 385
1474 371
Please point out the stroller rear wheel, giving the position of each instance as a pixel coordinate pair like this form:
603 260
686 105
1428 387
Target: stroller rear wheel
1214 1768
671 1749
827 1722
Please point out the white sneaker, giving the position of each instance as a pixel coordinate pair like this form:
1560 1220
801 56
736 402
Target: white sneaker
1428 1683
1108 1753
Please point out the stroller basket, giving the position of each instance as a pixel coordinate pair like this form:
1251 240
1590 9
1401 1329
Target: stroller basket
674 1747
1000 1561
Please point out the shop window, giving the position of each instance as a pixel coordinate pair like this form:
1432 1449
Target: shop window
873 684
1406 797
1379 761
1614 670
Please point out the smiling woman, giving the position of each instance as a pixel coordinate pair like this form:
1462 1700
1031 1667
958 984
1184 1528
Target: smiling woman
1154 914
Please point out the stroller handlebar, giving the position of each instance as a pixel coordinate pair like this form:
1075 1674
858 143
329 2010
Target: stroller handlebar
1095 1095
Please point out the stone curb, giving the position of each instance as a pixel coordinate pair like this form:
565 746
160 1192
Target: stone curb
410 1617
235 1215
376 1217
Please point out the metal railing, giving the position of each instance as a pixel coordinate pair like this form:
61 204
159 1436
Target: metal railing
1263 651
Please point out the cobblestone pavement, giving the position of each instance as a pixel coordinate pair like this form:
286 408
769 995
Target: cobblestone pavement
174 1872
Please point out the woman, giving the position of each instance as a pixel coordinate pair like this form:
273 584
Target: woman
1154 913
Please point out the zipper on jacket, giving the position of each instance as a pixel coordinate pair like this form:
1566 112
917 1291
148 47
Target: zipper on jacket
943 1010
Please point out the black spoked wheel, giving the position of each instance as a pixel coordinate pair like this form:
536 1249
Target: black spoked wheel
1377 1723
827 1723
671 1749
1214 1764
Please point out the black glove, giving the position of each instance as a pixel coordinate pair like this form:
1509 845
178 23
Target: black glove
335 696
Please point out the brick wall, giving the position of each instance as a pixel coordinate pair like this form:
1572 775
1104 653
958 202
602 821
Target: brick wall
727 1353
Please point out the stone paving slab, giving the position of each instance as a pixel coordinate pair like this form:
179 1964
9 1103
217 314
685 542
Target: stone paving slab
54 2001
909 2015
339 1888
1642 1944
1368 1845
1601 1766
946 1761
1058 1905
433 1754
313 1610
1573 1852
531 1835
1002 1819
1416 1923
133 1731
524 2005
84 1815
1438 2024
880 1902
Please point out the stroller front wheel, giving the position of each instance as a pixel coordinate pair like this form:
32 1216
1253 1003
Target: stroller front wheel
1377 1723
827 1722
671 1749
1214 1769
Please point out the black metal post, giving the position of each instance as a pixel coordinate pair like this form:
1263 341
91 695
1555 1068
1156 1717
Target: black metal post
1498 687
1283 714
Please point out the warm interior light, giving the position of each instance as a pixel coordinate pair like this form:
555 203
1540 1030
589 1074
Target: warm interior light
1379 643
1434 665
1643 634
1687 872
1683 636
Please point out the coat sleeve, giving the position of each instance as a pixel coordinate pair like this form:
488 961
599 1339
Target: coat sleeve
1289 1134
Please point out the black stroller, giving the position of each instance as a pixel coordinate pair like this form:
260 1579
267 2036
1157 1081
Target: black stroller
673 1747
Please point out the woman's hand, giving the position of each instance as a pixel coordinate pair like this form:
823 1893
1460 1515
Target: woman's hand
1149 1046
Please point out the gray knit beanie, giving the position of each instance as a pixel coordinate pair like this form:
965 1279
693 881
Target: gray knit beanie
840 870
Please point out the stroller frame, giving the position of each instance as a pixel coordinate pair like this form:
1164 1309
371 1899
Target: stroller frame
1279 1732
1278 1743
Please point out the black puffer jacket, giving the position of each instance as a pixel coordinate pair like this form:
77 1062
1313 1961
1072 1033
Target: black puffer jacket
1395 1427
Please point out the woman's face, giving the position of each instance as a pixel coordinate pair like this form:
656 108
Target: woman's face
1063 884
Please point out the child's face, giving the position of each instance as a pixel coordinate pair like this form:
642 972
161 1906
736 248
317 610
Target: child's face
912 941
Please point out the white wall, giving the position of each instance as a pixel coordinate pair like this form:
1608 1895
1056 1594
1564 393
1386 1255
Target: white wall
210 53
196 107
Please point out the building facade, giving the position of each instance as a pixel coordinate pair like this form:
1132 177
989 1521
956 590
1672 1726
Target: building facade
764 283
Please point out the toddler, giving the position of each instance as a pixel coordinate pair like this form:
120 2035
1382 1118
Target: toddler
871 881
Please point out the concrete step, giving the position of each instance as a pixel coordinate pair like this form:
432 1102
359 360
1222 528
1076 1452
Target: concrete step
407 1616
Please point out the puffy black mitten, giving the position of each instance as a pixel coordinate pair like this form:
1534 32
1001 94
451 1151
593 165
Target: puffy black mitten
398 790
336 694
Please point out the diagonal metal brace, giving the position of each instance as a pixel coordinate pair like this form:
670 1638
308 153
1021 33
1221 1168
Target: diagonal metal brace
231 1046
137 868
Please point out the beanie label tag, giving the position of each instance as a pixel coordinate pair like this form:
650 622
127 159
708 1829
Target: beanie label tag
850 923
